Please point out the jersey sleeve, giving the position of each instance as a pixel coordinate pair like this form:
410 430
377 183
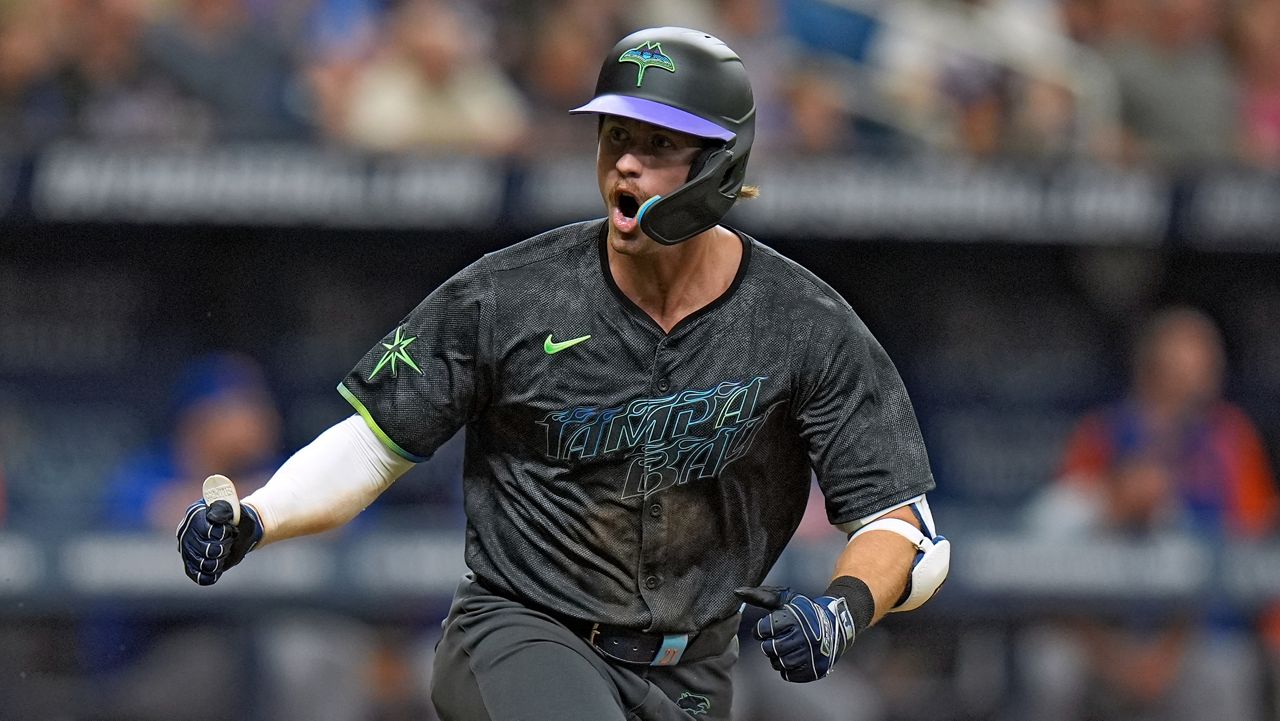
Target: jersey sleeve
426 378
853 411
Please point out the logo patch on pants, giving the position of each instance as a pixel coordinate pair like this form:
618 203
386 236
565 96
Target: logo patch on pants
693 704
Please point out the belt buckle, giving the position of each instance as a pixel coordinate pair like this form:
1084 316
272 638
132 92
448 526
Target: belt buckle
672 648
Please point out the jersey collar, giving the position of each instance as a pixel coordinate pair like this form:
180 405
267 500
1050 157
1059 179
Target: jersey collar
643 317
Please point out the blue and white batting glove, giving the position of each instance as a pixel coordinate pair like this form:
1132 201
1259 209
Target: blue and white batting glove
208 542
803 637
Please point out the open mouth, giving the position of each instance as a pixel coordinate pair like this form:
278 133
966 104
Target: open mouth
628 205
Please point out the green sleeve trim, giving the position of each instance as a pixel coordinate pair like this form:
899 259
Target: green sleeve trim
373 426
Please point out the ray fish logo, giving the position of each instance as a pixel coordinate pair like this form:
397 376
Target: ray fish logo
693 704
648 55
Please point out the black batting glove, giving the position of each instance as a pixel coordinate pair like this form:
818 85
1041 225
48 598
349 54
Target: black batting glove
210 544
803 637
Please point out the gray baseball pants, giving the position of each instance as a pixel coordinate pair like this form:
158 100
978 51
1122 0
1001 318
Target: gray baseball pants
499 660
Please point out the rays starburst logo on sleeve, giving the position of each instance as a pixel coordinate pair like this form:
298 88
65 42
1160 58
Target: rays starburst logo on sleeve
648 55
397 353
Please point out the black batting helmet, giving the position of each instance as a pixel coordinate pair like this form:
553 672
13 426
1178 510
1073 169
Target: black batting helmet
689 81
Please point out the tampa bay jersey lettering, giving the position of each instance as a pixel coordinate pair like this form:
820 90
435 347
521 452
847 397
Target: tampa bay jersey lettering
670 440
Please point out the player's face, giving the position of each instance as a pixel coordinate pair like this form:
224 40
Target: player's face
634 162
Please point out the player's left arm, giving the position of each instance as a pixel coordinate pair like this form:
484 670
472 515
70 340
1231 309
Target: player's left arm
899 555
882 560
869 457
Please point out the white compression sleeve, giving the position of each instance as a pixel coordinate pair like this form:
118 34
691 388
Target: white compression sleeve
326 483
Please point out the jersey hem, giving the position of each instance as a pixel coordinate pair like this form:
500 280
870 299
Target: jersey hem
373 426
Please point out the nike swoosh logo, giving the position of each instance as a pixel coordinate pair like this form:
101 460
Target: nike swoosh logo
552 347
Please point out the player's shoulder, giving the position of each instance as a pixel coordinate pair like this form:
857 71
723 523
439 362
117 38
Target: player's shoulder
552 245
792 283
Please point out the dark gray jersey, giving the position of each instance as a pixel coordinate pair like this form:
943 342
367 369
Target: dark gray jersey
617 473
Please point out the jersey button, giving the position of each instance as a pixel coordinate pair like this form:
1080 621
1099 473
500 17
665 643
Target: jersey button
652 582
663 385
656 510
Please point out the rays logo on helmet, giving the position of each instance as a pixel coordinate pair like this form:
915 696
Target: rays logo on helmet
648 55
693 704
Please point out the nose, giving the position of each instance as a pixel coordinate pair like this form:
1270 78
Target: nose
629 164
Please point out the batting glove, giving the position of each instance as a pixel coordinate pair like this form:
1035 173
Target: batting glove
803 637
208 542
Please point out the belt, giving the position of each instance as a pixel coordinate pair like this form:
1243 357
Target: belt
655 649
630 646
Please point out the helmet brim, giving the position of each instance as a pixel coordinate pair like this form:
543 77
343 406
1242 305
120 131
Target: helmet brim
660 114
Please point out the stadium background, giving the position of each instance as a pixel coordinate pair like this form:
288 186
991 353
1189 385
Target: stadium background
1003 189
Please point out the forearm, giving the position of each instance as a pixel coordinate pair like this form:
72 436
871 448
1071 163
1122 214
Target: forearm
326 483
882 560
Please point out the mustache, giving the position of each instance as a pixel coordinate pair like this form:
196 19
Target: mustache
618 191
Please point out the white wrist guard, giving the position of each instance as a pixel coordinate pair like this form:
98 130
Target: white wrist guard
928 570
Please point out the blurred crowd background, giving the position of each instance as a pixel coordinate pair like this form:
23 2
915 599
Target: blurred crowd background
1101 400
1120 81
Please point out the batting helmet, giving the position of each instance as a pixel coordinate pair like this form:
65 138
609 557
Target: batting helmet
683 80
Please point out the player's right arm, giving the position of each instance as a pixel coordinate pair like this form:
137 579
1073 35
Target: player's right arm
321 487
413 390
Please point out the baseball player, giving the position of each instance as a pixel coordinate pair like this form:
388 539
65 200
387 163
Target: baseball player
645 397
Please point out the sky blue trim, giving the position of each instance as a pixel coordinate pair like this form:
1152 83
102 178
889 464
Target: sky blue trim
645 206
671 650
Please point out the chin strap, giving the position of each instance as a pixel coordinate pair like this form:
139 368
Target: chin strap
928 570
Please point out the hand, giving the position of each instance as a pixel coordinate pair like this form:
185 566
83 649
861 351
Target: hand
208 542
802 637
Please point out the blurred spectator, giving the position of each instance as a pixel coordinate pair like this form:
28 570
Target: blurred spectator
33 106
240 74
1173 457
222 420
818 119
754 29
432 88
1258 33
1081 20
1179 100
986 77
336 40
821 114
980 92
1176 416
115 95
560 62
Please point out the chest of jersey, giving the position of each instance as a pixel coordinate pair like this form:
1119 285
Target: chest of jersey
659 410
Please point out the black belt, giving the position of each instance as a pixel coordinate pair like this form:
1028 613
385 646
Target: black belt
655 649
638 647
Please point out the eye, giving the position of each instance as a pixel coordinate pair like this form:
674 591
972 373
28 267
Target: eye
662 142
617 134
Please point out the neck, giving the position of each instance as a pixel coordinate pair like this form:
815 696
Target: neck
671 282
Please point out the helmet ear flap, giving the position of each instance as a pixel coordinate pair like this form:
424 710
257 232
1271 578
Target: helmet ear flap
700 160
698 204
730 177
